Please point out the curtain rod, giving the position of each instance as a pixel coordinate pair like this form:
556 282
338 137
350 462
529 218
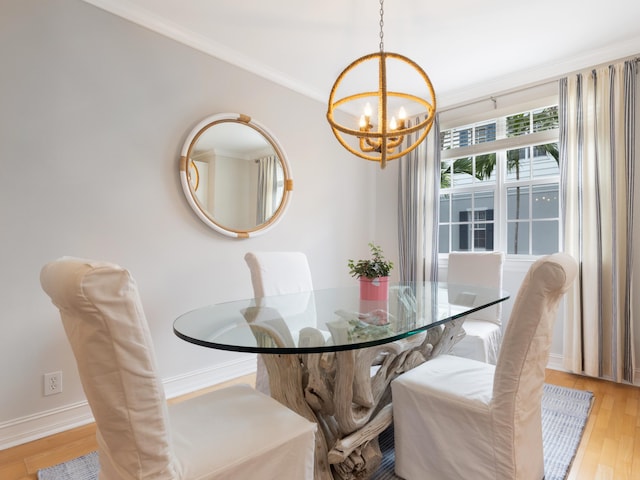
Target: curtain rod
494 98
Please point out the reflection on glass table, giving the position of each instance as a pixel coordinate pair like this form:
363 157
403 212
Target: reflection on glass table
343 321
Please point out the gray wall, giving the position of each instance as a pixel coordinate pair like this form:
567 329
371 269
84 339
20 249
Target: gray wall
93 114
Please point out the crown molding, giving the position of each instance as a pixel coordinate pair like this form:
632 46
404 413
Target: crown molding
160 25
446 99
541 73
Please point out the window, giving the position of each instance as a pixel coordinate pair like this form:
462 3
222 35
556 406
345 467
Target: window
499 185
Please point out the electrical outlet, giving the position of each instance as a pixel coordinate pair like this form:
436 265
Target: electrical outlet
52 383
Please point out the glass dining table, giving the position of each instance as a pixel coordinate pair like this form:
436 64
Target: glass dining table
331 356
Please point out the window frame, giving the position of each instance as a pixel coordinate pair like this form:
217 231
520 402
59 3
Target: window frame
501 184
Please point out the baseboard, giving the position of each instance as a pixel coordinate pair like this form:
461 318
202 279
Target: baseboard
199 379
33 427
43 424
555 362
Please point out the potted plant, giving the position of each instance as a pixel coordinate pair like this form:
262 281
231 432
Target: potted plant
373 274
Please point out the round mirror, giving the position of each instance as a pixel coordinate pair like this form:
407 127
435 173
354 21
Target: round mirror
235 175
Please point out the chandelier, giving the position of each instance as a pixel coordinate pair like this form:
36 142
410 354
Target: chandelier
383 140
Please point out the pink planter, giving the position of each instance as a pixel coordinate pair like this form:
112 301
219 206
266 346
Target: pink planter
374 288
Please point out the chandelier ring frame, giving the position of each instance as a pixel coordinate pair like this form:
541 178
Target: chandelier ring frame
383 134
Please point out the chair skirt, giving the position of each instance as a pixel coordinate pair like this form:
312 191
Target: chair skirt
238 433
444 425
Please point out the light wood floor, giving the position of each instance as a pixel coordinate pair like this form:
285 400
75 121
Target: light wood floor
610 447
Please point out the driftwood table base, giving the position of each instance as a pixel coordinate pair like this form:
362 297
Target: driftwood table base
348 395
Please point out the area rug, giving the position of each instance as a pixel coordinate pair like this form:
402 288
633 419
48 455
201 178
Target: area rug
82 468
564 416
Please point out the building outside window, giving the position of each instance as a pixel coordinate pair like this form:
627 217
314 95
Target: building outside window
499 185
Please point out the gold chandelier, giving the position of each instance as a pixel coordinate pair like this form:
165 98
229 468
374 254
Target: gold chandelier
382 142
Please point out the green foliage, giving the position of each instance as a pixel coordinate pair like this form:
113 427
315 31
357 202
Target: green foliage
461 165
374 267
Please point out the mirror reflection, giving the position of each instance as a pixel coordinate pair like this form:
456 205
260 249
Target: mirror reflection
235 175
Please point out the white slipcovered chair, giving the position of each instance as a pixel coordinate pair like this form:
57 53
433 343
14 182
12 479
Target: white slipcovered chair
277 273
231 433
456 418
482 329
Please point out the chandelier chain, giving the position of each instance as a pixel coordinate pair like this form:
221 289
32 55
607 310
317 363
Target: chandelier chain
381 25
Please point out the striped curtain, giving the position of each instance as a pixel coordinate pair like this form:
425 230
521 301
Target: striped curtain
418 192
267 188
597 148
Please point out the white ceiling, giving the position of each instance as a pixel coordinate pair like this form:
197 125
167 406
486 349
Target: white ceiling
469 48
